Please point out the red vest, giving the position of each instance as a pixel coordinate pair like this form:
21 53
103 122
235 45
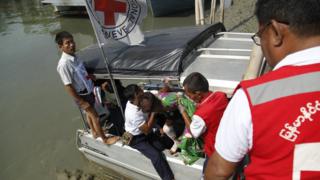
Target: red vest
285 109
211 110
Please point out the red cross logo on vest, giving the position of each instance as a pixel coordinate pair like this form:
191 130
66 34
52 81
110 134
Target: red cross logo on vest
109 8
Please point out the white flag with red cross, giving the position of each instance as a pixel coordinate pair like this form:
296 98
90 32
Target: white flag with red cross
117 19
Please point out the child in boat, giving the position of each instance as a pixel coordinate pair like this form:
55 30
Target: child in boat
169 101
140 126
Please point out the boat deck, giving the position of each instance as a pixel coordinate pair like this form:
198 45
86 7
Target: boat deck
224 61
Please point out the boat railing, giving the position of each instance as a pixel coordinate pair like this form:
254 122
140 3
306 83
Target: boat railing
255 64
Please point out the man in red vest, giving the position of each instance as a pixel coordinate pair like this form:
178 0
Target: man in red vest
275 119
209 110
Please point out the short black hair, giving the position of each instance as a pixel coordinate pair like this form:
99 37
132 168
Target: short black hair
130 91
302 16
61 35
154 101
196 82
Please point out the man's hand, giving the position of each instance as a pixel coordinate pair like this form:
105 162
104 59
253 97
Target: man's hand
147 126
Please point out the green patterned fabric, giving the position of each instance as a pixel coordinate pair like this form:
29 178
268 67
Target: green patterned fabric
172 99
189 106
169 100
191 150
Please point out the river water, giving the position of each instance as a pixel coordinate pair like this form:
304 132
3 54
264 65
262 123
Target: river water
38 119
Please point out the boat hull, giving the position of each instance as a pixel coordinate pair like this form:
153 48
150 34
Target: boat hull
130 162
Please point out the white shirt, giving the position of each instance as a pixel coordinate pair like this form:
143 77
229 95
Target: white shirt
234 136
134 119
67 71
197 126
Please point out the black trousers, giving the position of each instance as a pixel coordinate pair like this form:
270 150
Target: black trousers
152 148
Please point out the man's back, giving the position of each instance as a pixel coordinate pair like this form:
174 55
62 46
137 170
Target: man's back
281 137
270 117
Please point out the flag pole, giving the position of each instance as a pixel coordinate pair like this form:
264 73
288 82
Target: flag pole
106 62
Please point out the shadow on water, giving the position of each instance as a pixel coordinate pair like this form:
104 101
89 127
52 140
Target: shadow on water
93 172
39 119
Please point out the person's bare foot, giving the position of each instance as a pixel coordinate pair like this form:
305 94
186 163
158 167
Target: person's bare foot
94 134
110 140
173 153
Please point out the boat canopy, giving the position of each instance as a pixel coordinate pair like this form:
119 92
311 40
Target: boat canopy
165 52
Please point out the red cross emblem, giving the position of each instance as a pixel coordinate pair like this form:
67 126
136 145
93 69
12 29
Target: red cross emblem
109 8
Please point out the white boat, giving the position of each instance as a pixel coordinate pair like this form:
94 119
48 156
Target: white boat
222 57
130 162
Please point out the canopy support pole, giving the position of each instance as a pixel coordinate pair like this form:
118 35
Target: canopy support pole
106 62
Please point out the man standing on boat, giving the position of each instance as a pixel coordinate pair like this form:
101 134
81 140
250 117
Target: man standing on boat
276 118
78 83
